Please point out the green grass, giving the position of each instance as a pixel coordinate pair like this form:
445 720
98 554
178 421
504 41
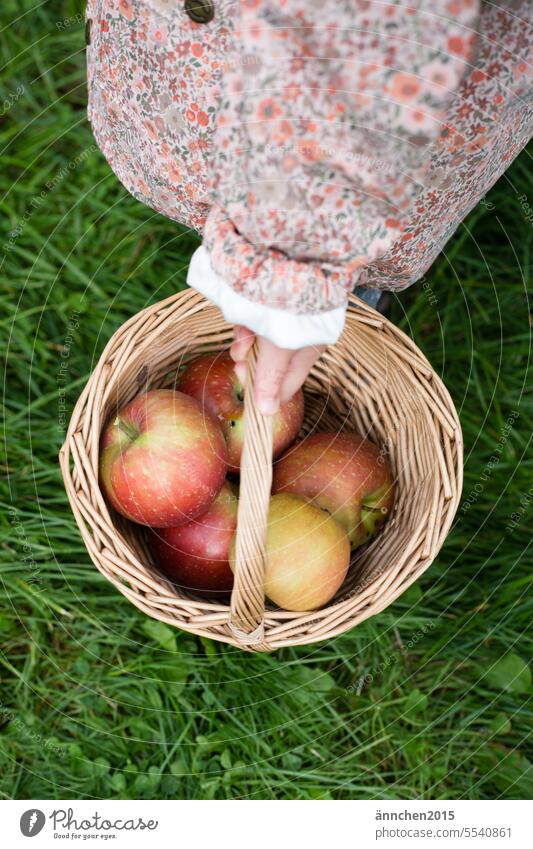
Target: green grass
97 702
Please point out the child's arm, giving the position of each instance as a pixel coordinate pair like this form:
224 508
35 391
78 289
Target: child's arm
352 139
325 130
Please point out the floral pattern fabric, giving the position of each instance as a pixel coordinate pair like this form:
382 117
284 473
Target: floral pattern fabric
315 144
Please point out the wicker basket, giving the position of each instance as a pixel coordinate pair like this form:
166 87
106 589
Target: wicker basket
374 381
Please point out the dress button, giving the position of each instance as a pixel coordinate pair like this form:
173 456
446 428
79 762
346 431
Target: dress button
88 31
200 11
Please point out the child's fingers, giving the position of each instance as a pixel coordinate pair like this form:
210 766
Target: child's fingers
240 371
279 372
299 368
243 339
270 371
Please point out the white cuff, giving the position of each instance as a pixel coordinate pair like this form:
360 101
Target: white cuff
284 329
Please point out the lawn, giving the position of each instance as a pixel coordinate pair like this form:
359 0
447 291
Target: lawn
429 699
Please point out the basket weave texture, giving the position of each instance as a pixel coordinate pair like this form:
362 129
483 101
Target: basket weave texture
374 381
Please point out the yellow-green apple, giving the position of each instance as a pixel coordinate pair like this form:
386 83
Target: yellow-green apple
196 555
307 554
162 459
344 474
213 382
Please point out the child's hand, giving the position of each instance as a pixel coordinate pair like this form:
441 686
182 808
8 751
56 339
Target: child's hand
279 373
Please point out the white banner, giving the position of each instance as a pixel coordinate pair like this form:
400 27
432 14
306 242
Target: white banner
312 825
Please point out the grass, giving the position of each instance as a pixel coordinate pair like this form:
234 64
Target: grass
430 699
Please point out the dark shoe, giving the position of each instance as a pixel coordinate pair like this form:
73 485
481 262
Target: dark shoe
384 304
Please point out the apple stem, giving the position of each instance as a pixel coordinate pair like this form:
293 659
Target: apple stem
130 431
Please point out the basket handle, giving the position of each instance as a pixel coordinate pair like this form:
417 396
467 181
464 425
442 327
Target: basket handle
248 598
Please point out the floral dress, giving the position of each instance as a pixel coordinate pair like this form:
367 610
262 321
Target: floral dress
316 145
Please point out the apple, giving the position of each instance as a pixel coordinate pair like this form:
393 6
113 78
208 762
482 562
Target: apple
162 459
344 474
196 555
307 554
213 382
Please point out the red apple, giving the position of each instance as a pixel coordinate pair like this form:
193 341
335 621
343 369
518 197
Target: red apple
344 474
213 382
307 554
162 459
195 555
